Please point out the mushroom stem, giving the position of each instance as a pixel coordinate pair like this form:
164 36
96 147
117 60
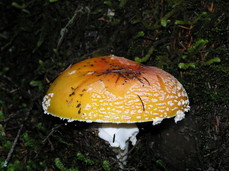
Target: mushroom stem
119 136
121 155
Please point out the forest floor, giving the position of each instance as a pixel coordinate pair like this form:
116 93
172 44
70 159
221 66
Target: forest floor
39 39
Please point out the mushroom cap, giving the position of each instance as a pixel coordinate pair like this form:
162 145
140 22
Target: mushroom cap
116 90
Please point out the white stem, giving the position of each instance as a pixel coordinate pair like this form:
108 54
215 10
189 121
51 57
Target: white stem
121 155
119 136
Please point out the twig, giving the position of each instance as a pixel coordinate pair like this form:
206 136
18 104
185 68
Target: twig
16 138
13 146
51 132
64 30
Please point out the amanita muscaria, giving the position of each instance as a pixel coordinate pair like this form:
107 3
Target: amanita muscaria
118 93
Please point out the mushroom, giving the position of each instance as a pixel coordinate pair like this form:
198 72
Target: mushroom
118 93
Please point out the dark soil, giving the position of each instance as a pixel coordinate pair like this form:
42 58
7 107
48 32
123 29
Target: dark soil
39 39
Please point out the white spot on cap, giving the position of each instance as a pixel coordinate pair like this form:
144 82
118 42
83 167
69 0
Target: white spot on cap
126 111
161 104
184 94
155 113
99 120
46 102
187 101
126 117
90 73
179 116
116 118
175 108
154 100
72 72
89 89
69 120
132 112
157 120
187 109
179 86
179 103
156 94
140 111
170 103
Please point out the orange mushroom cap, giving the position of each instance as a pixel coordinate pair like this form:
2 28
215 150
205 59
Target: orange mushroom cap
116 90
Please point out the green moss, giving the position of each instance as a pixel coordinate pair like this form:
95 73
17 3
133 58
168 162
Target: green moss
61 166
